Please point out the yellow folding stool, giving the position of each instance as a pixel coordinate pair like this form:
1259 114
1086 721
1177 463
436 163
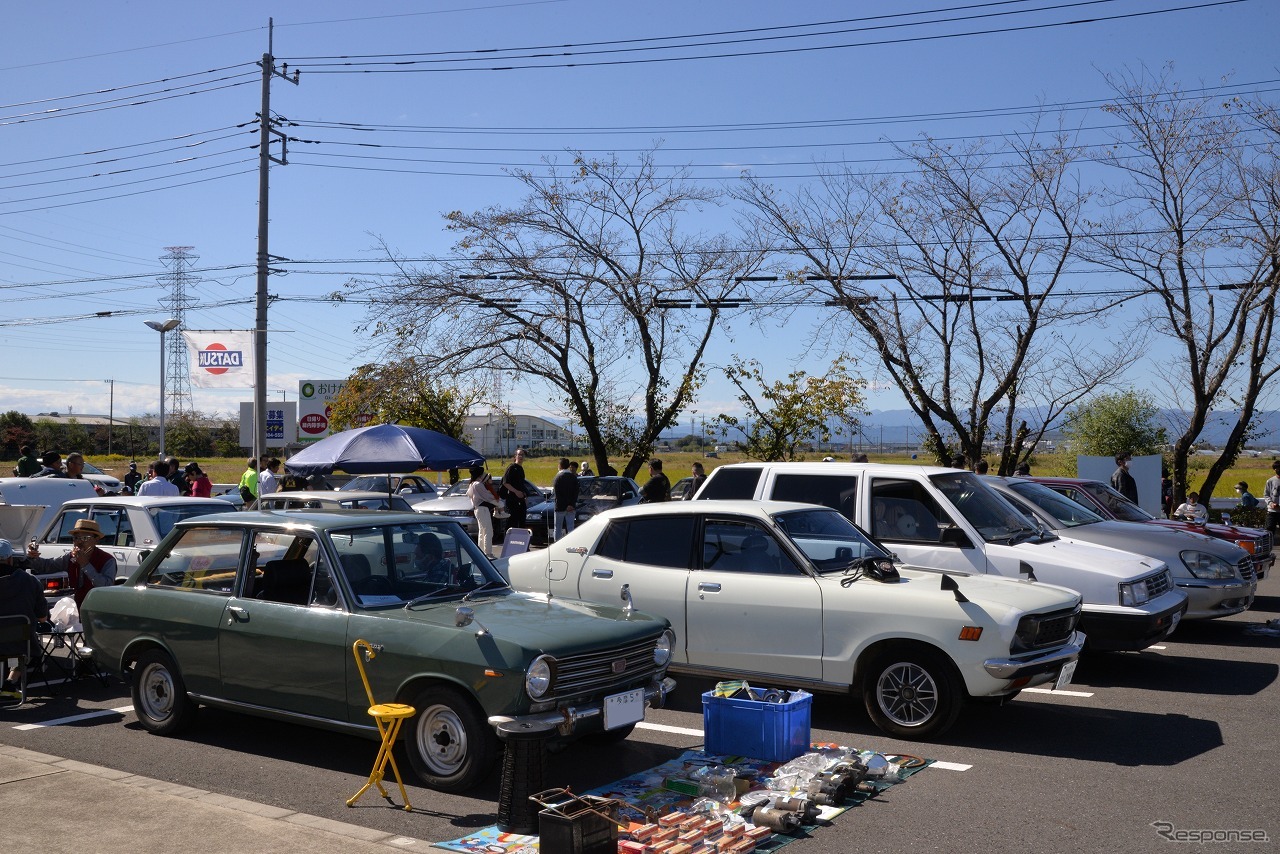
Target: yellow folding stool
389 717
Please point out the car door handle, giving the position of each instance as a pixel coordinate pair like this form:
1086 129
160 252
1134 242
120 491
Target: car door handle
602 573
708 587
236 614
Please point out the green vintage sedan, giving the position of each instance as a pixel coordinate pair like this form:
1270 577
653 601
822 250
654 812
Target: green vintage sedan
257 613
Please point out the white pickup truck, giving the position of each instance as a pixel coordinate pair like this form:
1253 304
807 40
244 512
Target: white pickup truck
948 520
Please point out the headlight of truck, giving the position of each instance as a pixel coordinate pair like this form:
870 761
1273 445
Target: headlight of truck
1205 565
1134 593
538 678
662 650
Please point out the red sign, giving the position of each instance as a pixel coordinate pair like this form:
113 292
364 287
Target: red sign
313 423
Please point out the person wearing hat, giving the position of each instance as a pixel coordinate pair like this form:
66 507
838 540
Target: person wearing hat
1248 500
50 465
133 478
86 565
201 486
20 594
1123 482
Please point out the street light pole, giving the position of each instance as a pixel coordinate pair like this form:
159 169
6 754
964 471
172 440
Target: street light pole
111 413
162 326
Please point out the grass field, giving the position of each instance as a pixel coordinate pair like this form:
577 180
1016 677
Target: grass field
1254 470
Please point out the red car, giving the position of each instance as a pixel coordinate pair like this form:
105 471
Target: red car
1106 502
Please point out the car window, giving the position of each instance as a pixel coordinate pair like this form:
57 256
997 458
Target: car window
388 565
731 483
991 516
1119 506
739 545
116 528
827 538
839 492
66 521
904 511
200 560
1060 507
288 568
165 517
651 540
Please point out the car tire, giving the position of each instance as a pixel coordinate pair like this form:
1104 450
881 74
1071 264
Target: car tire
159 696
611 736
451 746
912 692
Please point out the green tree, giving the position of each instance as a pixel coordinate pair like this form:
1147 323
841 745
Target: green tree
784 415
1113 423
50 436
405 392
16 430
76 437
187 436
226 438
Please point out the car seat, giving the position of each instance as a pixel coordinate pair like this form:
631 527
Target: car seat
287 581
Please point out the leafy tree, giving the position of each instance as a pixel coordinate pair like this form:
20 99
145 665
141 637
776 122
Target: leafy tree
402 391
784 415
187 435
1110 424
226 438
16 430
1195 225
76 437
588 287
50 436
950 273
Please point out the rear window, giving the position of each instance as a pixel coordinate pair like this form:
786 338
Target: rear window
654 540
837 491
733 483
166 517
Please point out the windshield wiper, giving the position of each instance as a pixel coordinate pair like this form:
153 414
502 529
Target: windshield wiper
471 593
427 597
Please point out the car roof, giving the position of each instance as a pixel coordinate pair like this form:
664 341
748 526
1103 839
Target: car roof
144 501
319 519
819 467
331 494
760 509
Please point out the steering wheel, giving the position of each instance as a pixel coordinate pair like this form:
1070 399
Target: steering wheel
375 585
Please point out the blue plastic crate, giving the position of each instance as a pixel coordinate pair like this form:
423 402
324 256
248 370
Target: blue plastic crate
772 731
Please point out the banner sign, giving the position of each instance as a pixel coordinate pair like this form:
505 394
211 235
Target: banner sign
282 423
313 407
220 359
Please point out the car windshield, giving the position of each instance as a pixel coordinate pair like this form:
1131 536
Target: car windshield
600 488
995 520
394 502
1067 512
90 468
167 516
829 540
393 565
459 488
1119 506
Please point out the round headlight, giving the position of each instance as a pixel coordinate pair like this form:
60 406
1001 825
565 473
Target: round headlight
537 679
662 651
1205 565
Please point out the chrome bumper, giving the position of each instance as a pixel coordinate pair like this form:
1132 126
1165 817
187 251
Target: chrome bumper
564 721
1050 662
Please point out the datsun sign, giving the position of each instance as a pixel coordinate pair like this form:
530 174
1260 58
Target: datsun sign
220 359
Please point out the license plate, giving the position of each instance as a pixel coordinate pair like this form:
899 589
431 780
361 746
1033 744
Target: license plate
623 709
1173 621
1064 676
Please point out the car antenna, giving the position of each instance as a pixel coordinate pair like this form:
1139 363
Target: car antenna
949 583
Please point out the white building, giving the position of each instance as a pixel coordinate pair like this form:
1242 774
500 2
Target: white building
497 434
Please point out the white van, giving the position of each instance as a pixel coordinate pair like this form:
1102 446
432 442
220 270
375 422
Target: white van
948 520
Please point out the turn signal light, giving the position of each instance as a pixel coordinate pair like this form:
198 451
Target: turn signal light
971 633
493 673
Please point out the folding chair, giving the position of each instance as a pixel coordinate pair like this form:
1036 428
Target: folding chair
389 717
15 642
515 541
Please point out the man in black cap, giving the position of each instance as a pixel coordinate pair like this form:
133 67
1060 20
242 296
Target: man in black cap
50 465
133 478
20 594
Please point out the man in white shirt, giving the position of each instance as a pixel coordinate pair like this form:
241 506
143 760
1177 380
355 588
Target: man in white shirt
159 485
267 480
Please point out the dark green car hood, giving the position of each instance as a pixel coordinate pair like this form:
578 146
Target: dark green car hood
536 622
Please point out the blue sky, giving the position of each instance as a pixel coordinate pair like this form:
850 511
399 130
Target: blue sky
83 233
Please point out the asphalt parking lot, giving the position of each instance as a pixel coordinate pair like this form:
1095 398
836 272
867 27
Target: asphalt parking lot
1143 752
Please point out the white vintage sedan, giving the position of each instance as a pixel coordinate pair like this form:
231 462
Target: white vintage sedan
794 595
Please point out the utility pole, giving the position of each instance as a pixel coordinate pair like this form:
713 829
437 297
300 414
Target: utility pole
265 132
111 413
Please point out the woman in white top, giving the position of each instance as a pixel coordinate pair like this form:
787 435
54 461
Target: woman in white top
483 502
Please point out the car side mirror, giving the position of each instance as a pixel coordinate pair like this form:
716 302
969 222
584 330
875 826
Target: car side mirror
953 536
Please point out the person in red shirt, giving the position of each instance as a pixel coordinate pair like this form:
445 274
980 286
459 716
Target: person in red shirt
201 486
86 565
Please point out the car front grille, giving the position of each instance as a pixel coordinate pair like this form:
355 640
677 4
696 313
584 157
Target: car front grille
1159 584
1246 569
1042 631
1262 546
604 671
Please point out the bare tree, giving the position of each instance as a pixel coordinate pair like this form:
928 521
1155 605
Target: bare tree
1195 226
974 245
588 287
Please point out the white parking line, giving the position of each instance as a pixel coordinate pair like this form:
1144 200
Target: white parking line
1058 693
679 730
76 718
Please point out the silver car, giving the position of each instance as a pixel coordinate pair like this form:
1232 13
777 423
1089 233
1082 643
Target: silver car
1216 575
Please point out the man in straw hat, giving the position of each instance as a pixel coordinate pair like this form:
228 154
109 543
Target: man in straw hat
86 565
